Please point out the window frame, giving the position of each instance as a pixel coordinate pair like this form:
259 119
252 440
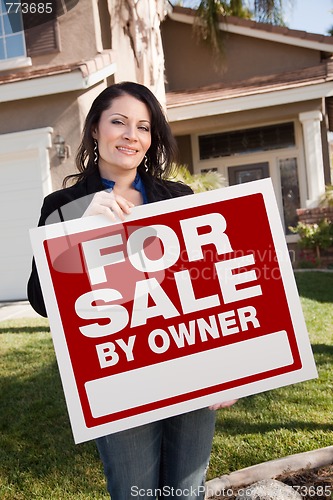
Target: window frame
247 131
21 60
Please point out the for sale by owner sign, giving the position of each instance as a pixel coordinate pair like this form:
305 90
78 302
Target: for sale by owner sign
187 303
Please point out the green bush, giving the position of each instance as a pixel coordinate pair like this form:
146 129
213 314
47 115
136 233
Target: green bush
315 236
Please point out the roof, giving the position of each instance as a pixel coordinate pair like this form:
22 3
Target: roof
50 80
86 68
321 73
261 30
284 88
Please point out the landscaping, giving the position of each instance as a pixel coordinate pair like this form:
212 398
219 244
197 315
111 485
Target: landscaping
315 230
39 459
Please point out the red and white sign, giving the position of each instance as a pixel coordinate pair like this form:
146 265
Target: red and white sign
187 303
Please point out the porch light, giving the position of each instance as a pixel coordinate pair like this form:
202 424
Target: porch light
62 150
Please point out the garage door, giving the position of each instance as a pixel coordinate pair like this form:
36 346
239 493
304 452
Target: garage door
24 181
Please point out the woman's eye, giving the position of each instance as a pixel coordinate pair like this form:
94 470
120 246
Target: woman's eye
143 127
117 122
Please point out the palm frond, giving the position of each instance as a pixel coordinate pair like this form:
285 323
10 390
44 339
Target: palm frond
199 182
206 27
210 13
269 11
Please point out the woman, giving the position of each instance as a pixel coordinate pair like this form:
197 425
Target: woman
124 160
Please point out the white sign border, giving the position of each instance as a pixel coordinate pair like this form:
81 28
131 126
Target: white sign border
38 235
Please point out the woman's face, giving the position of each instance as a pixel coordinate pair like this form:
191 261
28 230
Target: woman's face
123 135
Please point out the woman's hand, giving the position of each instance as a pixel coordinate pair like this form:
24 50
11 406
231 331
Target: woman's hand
109 204
225 404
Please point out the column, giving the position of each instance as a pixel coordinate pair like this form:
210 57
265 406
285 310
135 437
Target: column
313 155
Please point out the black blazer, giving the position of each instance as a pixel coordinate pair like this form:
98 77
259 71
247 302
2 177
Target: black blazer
71 203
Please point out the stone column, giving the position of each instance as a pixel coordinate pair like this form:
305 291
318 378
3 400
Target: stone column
313 155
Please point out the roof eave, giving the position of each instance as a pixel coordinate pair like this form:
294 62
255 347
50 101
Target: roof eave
236 104
58 83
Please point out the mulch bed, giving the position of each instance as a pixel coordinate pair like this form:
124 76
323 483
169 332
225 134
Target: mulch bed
311 484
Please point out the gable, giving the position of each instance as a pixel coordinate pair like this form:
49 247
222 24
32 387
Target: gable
245 58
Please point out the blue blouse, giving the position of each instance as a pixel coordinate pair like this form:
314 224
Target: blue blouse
137 184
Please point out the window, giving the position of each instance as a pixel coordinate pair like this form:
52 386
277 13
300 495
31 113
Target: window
247 141
12 41
290 192
24 35
248 173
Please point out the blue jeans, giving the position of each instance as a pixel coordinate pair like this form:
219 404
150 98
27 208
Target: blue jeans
164 459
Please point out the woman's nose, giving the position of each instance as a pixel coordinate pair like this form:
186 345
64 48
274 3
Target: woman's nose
130 133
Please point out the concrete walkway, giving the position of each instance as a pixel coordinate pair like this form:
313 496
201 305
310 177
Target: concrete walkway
13 310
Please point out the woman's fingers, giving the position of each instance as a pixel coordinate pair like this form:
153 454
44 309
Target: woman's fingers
225 404
109 204
122 204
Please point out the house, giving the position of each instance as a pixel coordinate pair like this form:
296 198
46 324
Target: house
267 113
51 69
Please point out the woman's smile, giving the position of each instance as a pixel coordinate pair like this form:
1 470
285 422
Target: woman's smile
126 150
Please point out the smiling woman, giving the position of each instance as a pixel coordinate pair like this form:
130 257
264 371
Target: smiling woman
125 159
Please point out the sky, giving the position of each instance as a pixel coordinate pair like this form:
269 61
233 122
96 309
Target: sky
314 16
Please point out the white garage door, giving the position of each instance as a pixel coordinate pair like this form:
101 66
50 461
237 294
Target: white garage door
24 181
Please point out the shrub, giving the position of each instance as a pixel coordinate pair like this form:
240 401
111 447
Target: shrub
315 236
327 198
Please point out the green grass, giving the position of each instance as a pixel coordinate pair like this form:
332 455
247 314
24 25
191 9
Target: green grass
39 460
291 419
38 457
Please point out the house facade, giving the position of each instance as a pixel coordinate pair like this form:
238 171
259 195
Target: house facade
49 75
266 113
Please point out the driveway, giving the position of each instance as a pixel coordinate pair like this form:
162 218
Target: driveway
13 310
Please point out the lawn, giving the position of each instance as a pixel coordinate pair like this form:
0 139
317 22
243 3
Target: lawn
39 459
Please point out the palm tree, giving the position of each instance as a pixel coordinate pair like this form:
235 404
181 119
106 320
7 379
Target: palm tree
267 11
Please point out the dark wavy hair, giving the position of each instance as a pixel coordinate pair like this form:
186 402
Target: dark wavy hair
163 148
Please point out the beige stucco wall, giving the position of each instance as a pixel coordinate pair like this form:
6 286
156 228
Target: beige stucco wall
243 119
190 65
123 55
78 37
131 30
65 113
